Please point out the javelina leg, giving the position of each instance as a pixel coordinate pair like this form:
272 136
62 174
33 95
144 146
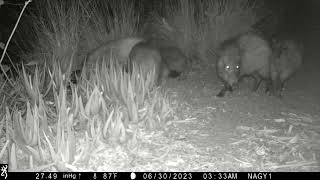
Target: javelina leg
268 86
163 74
281 89
224 90
277 86
241 78
257 82
282 86
174 74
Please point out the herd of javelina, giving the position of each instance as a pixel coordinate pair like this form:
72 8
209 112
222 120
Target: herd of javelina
246 55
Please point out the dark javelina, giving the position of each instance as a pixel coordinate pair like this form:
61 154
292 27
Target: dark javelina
118 49
148 59
245 55
172 56
175 60
287 59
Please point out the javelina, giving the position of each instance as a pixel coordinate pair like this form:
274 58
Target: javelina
286 60
172 56
245 55
148 59
174 59
118 49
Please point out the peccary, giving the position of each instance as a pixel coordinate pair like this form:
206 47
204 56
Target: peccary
286 60
172 56
148 58
118 49
175 60
245 55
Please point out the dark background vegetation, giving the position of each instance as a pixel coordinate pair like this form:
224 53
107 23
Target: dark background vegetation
295 18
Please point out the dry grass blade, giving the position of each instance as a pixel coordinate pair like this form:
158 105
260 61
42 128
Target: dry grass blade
107 125
51 149
94 103
42 114
75 102
4 148
2 124
30 89
8 120
13 157
293 165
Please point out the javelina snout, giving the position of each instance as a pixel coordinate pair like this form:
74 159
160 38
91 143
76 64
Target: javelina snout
228 68
232 74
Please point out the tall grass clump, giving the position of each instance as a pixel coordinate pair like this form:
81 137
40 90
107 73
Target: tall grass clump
200 26
104 106
174 27
227 19
109 20
135 91
51 31
63 32
56 31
